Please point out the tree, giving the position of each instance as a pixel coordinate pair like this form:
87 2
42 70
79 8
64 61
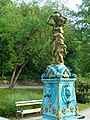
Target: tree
8 28
24 38
83 26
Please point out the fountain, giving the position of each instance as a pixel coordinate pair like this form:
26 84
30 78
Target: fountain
59 98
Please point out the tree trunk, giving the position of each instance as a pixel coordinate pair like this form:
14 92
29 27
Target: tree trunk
12 78
14 82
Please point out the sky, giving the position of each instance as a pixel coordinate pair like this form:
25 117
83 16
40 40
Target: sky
71 4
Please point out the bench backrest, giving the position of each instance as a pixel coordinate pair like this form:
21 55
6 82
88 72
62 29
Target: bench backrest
31 102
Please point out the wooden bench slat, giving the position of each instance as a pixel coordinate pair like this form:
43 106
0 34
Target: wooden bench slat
31 111
25 104
31 101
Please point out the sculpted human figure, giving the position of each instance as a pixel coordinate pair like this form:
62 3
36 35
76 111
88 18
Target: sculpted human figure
57 21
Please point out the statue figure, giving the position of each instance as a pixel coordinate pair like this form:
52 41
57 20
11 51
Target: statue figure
57 21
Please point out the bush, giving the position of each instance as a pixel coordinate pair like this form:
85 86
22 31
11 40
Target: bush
83 90
9 97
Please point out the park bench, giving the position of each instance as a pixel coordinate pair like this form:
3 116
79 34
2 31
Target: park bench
20 111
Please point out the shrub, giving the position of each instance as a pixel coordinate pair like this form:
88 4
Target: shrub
83 89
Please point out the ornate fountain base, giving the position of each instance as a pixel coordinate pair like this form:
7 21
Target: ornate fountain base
83 118
59 100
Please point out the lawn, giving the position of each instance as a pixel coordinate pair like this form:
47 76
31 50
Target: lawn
83 106
9 97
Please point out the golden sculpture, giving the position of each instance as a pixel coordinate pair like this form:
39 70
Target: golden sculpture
57 21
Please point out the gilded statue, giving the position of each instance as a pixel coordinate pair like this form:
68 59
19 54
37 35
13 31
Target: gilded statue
57 21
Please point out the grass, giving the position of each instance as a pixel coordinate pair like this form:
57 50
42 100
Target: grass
19 94
9 97
83 106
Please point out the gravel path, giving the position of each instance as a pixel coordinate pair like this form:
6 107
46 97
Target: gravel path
1 118
86 112
24 87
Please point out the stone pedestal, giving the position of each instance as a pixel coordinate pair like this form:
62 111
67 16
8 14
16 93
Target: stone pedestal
59 99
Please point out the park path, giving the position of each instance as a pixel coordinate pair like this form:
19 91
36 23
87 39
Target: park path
1 118
23 87
86 112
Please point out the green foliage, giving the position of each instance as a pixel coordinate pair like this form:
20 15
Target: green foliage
4 3
83 30
8 28
83 89
24 36
77 38
73 58
9 97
